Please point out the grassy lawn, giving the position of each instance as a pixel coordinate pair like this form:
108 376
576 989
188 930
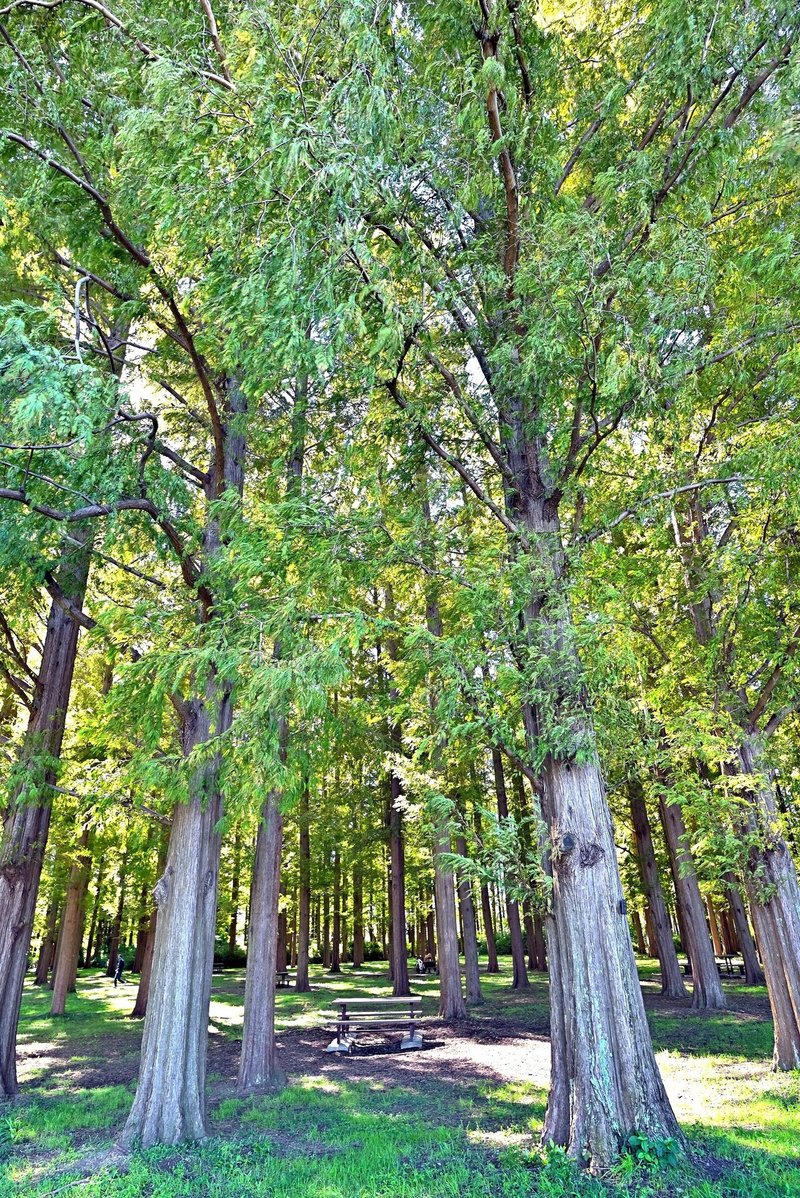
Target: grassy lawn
383 1126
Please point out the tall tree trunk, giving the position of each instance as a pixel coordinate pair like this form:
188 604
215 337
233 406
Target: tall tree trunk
304 914
258 1066
451 997
774 895
754 974
28 818
604 1079
326 930
467 907
671 980
71 926
358 917
170 1098
519 973
706 985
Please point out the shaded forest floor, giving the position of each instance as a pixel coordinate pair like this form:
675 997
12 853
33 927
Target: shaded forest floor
461 1117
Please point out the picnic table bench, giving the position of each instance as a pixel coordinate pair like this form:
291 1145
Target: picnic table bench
729 965
281 978
357 1014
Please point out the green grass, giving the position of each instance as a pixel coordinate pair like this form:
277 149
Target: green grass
329 1136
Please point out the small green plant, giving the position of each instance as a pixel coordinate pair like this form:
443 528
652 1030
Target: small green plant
650 1154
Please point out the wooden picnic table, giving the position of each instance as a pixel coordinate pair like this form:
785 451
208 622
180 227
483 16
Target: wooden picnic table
355 1014
281 977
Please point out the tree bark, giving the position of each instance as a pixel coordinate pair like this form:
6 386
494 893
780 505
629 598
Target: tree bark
116 927
671 980
304 913
467 906
706 986
143 991
91 943
28 818
493 965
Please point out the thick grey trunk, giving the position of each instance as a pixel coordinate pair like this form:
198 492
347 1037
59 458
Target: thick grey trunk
28 818
467 908
169 1106
772 888
605 1082
671 980
706 986
170 1098
258 1066
451 996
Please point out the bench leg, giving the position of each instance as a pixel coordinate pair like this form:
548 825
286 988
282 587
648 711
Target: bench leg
413 1039
338 1045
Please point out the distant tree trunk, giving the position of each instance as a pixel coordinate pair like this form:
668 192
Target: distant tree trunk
336 966
638 932
258 1067
467 907
145 973
541 947
519 975
774 895
48 950
398 952
91 943
530 935
116 927
493 965
233 927
754 974
282 936
650 929
671 980
358 917
706 987
304 913
28 822
71 926
430 933
716 938
326 930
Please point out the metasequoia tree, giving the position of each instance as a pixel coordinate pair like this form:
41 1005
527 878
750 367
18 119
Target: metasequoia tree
526 277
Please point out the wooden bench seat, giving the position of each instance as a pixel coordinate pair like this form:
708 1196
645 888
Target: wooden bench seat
358 1014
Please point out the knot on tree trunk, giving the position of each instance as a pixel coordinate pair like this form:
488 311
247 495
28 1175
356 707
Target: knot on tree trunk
590 854
161 888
